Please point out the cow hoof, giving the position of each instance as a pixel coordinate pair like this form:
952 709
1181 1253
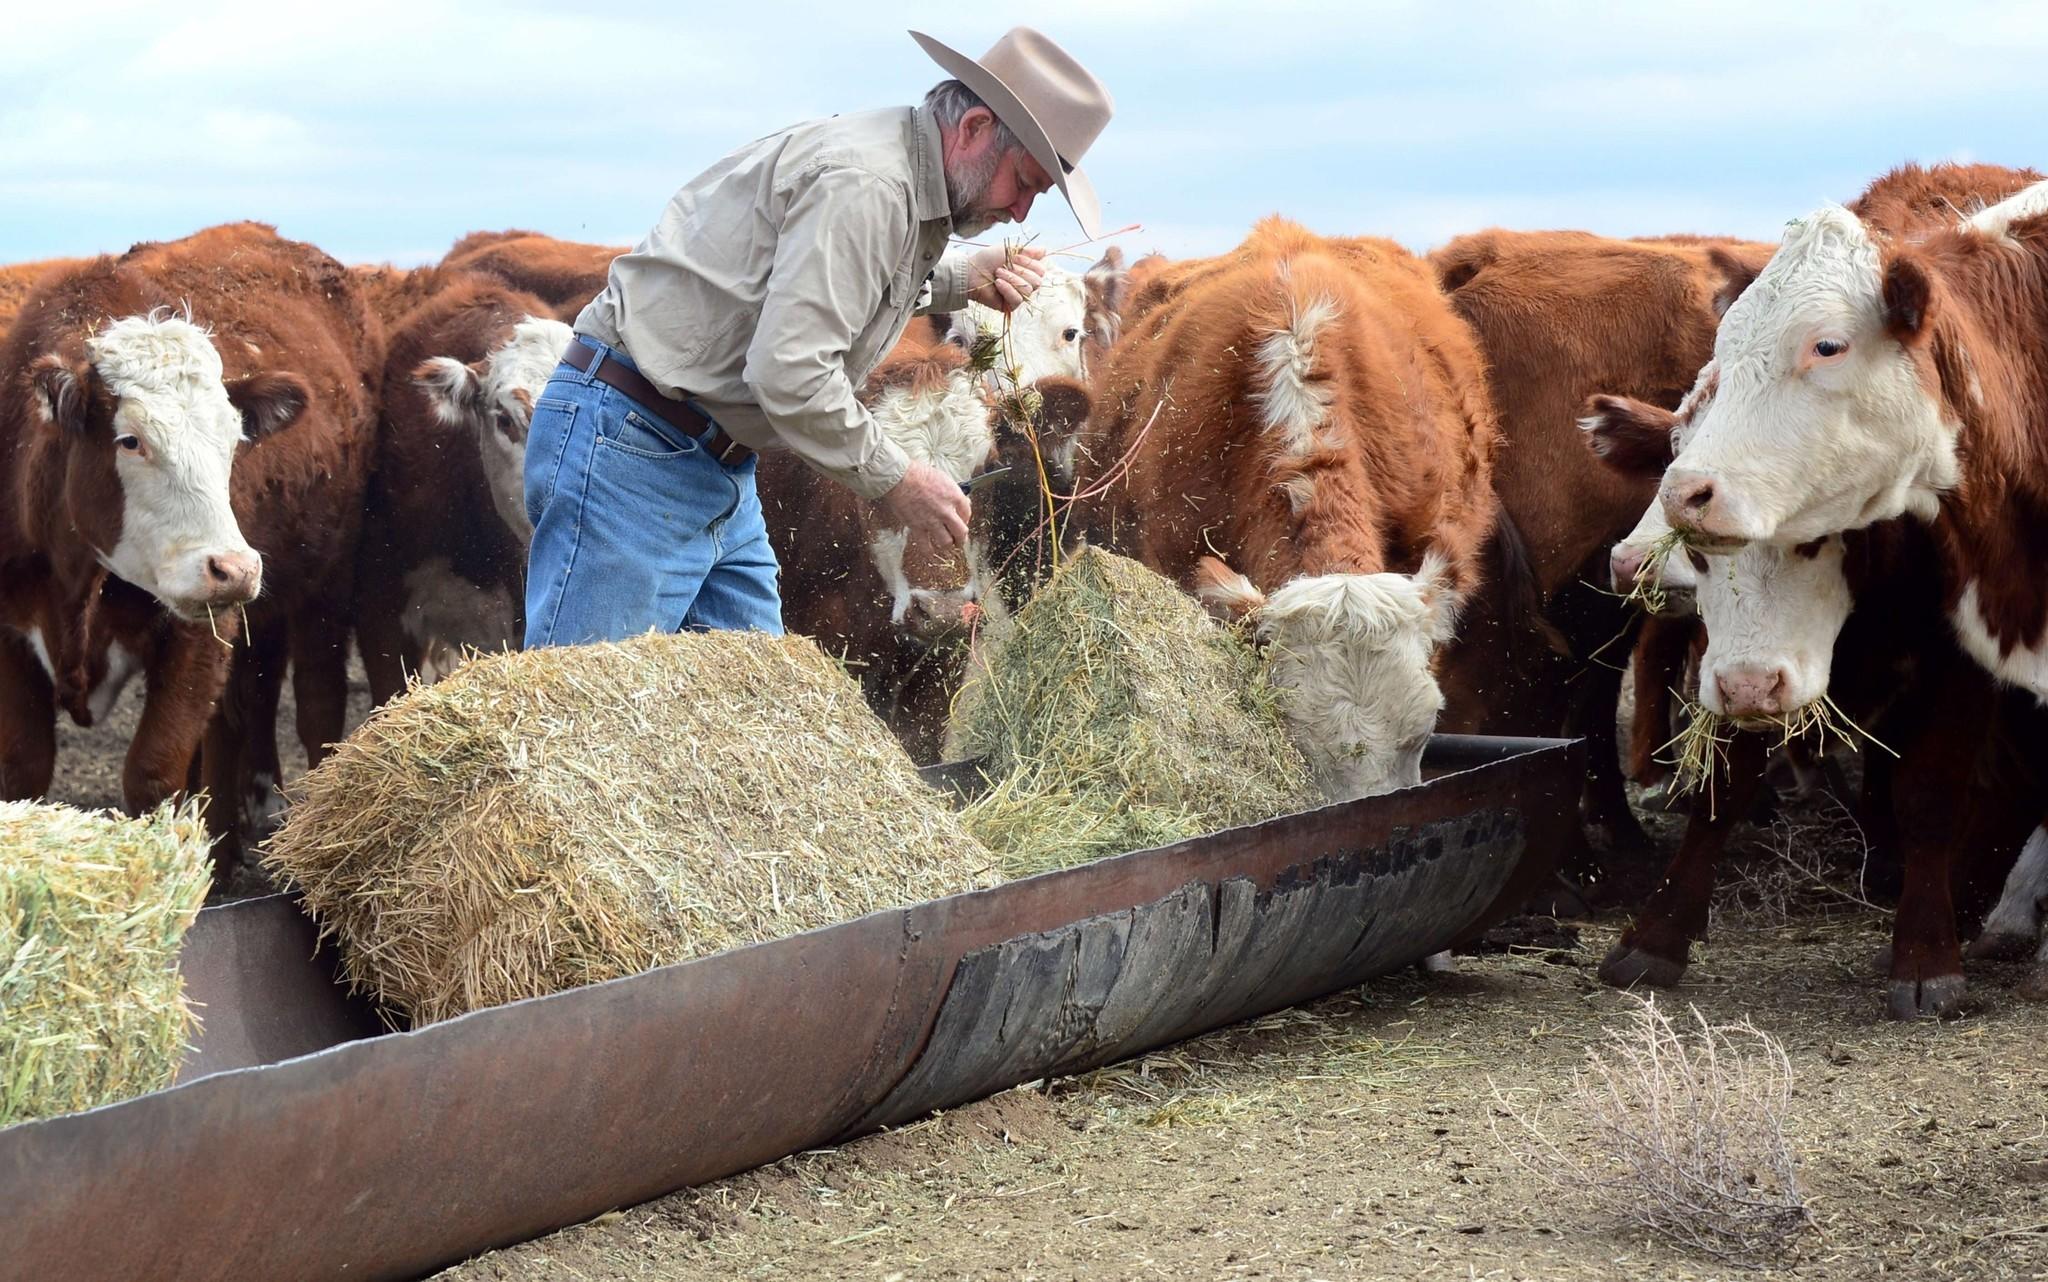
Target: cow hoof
2035 986
2001 945
1436 964
1933 997
1626 966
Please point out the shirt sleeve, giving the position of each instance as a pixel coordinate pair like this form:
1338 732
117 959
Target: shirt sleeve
842 231
949 285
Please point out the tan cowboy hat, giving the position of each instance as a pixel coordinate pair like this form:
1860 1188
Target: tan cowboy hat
1052 103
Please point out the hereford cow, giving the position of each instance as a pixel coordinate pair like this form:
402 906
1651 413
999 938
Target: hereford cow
1063 330
443 561
564 274
1302 432
161 467
1561 315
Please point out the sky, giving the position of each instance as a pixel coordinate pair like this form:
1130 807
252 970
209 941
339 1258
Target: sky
383 131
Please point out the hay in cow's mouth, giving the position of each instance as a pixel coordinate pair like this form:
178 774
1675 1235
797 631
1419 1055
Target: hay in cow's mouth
563 816
93 911
1113 714
1648 591
1700 750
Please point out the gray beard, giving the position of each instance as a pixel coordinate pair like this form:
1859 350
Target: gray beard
966 187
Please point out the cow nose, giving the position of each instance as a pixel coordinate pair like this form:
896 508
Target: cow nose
233 576
1623 565
1749 690
1690 493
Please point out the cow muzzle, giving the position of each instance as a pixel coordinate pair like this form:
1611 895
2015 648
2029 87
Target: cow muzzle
1705 507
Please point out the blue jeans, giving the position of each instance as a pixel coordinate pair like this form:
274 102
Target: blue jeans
635 526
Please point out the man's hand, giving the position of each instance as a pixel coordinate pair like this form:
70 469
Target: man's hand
930 505
1002 277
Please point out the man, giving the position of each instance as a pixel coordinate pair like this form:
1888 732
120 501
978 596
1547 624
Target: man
749 317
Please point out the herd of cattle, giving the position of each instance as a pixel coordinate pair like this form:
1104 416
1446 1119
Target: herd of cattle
1431 482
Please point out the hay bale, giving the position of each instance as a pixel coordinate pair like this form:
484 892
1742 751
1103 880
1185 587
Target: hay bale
1112 714
543 820
93 910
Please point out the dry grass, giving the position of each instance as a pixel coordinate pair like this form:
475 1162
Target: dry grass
1810 863
1699 752
93 910
1685 1136
1112 714
559 817
1648 589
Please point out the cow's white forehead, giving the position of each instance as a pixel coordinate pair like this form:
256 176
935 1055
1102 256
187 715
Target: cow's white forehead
1826 269
158 353
526 360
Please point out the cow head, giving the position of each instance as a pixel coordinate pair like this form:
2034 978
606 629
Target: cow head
1010 511
1634 439
1823 418
1772 616
493 398
156 426
1046 335
931 407
1355 654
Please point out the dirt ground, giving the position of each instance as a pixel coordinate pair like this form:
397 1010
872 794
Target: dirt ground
1359 1138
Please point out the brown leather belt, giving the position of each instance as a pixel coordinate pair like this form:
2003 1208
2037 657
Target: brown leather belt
675 413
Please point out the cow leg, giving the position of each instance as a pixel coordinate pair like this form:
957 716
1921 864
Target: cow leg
1655 948
2014 927
259 687
1658 668
1610 823
1936 766
380 639
184 683
28 722
319 635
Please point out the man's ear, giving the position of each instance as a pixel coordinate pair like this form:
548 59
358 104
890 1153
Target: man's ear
269 401
60 387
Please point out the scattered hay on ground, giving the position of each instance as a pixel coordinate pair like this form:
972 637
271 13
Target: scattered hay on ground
1687 1136
558 817
93 910
1113 714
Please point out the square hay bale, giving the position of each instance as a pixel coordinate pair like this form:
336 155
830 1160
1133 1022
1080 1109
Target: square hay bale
558 817
1113 714
93 910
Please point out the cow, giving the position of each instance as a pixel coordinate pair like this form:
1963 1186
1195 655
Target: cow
2013 928
18 281
1561 315
187 432
1063 330
442 567
565 274
1301 433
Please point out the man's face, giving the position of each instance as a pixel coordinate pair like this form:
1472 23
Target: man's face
987 184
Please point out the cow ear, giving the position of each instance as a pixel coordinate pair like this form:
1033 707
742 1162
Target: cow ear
269 401
60 390
1440 595
1106 281
1629 436
1737 275
1227 594
455 390
1908 299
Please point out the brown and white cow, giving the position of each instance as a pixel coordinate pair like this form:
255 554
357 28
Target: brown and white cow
565 274
194 458
443 562
1302 431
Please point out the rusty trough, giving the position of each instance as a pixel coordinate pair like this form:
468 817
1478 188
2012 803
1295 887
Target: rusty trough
306 1142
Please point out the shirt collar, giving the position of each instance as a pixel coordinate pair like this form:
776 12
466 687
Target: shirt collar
930 199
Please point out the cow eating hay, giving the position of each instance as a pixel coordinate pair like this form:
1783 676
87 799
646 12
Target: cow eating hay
563 816
1112 714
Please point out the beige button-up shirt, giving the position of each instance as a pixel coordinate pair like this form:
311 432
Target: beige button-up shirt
778 278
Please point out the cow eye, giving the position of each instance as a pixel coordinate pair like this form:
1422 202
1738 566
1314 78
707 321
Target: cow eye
128 443
1070 334
1830 347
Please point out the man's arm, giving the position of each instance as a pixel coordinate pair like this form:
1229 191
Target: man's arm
842 232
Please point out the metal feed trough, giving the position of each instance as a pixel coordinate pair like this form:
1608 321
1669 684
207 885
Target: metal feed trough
306 1142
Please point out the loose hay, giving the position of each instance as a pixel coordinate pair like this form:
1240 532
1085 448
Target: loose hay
1700 749
1113 714
559 817
93 910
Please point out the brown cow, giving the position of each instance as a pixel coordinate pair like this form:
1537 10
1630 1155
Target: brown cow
565 274
443 561
125 424
1302 429
19 280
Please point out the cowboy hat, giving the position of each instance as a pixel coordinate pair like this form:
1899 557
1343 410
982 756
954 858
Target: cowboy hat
1051 102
